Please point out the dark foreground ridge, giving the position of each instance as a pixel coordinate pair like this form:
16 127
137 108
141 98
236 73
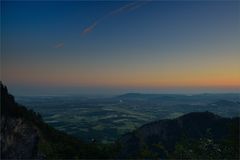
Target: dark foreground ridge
201 135
24 135
179 137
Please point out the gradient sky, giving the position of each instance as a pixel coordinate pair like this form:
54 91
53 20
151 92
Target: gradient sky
126 46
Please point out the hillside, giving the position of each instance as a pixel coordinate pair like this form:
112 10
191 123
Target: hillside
163 138
24 135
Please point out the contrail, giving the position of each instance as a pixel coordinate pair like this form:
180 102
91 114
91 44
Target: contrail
124 8
59 45
89 28
128 7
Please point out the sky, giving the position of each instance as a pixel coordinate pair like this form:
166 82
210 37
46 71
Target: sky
52 47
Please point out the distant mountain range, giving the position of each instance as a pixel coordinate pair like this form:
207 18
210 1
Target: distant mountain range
183 97
203 135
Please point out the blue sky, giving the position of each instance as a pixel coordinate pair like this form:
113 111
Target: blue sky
152 45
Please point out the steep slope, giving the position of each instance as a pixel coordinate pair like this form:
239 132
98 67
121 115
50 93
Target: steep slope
25 136
19 138
162 136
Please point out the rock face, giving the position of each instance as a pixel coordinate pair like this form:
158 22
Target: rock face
19 138
169 132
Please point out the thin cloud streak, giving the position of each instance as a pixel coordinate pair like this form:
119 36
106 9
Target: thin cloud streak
59 45
89 28
128 7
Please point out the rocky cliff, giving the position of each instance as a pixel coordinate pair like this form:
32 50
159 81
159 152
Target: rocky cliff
19 137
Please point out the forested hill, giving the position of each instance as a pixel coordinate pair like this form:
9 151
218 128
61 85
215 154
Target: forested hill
197 135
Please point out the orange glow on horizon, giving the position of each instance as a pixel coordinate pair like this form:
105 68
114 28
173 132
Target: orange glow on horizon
187 72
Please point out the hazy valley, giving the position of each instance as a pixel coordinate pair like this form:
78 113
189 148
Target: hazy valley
105 119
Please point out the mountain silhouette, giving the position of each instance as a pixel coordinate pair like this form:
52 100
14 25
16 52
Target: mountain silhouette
168 132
